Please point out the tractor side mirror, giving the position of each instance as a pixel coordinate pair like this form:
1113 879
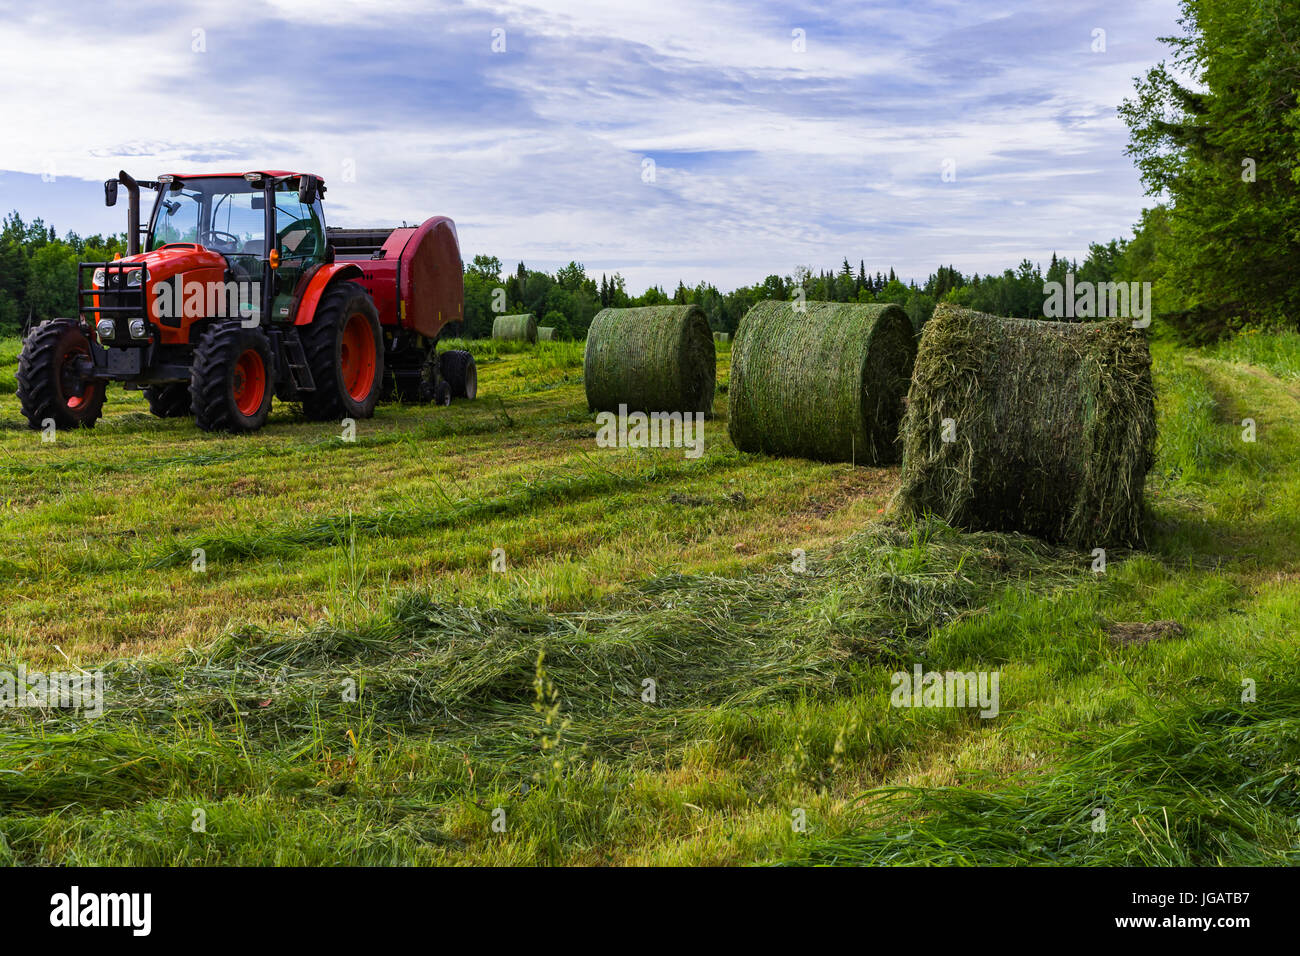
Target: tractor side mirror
110 192
307 190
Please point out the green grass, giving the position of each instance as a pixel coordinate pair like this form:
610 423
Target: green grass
334 567
1139 795
1279 352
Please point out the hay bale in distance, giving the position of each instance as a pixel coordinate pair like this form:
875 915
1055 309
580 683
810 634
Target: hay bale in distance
722 336
652 359
515 328
825 383
1052 427
545 333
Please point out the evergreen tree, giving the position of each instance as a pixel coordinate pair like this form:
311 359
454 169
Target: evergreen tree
1226 151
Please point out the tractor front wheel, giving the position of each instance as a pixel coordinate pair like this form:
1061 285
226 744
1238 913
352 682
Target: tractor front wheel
232 380
52 385
345 350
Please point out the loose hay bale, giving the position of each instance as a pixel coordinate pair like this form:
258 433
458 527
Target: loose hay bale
545 333
652 359
825 383
1052 427
517 328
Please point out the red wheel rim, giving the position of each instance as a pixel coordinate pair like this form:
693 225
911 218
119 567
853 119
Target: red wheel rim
357 360
250 382
71 400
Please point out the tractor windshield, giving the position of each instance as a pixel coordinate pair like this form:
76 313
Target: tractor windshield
221 213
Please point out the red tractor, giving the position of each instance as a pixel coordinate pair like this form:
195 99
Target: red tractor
242 292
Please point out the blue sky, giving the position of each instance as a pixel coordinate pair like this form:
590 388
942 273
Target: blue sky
781 134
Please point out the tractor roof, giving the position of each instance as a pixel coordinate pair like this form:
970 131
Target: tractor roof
274 173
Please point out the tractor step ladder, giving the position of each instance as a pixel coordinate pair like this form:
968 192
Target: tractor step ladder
296 359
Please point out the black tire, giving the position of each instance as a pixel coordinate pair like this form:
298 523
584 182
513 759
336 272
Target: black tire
323 341
460 372
169 401
50 386
442 393
225 366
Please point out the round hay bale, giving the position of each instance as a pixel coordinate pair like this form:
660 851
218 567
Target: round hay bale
515 328
825 383
545 333
1050 427
722 336
653 359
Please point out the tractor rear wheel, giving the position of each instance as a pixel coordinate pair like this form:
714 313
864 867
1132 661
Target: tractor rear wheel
51 385
460 372
232 380
345 350
169 401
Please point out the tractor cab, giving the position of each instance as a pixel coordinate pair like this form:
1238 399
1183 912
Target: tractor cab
233 216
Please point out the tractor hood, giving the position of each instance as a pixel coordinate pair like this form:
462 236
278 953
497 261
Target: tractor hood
184 277
178 257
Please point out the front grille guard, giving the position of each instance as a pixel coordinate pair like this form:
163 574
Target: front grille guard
115 298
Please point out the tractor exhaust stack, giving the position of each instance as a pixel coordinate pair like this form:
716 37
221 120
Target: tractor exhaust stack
132 212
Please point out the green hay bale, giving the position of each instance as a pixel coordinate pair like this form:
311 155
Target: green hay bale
653 359
545 333
825 383
516 328
1054 427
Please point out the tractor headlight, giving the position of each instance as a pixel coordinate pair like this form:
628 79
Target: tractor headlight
106 328
133 278
138 329
99 278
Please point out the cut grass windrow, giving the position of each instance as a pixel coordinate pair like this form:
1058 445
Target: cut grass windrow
592 478
498 419
256 709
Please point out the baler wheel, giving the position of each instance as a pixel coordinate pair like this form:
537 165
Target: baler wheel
50 382
460 372
231 380
345 350
442 393
169 401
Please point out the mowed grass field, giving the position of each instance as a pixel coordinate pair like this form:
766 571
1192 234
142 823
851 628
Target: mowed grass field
651 679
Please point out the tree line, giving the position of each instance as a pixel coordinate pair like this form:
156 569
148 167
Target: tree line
38 281
38 270
569 299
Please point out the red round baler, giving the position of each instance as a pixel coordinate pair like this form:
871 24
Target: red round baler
412 272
